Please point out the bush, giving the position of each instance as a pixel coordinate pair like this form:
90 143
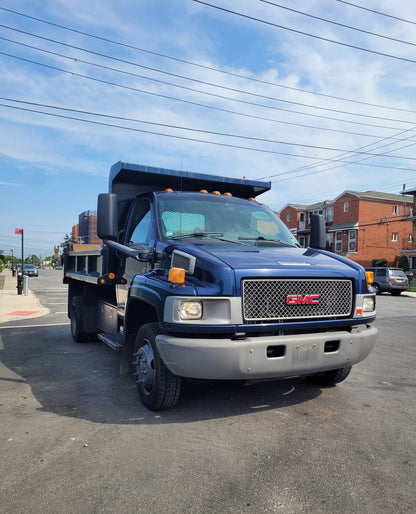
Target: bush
404 263
379 262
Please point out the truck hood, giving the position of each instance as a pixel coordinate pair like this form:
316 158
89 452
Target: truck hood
227 265
285 261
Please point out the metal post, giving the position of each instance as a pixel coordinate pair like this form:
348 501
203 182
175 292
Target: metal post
22 252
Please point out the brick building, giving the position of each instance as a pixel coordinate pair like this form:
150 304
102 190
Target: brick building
86 230
363 226
411 252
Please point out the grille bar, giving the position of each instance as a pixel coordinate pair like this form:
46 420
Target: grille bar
294 299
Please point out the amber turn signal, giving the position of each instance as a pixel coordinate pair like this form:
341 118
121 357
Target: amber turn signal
177 275
370 277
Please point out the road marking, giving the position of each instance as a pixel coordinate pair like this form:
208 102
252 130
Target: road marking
36 326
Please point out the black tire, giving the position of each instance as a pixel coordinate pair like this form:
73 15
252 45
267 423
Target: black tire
158 388
377 288
77 320
330 378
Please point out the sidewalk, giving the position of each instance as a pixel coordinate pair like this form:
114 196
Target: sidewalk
15 306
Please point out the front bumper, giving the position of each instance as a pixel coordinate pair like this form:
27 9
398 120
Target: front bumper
265 357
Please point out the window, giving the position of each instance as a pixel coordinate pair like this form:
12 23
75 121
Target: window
410 238
288 216
302 217
139 223
329 214
302 241
395 237
352 235
395 209
346 206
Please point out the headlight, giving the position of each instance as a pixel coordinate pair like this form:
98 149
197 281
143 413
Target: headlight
190 310
369 304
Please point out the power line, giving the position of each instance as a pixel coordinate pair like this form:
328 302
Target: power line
114 84
328 161
202 66
377 12
190 129
339 24
303 33
183 77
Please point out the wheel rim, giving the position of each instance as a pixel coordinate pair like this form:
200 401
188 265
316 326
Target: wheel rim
145 367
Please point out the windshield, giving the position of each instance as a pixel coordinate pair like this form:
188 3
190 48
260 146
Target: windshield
217 217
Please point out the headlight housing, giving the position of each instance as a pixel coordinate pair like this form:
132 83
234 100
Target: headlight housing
190 310
369 304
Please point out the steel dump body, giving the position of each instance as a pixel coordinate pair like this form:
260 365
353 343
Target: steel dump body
212 285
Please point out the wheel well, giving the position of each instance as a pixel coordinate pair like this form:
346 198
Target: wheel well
138 313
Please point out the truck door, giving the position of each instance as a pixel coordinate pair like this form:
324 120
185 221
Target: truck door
138 234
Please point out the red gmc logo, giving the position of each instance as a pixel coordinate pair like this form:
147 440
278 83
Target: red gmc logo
298 299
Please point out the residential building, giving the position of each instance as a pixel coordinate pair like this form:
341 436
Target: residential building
363 226
411 252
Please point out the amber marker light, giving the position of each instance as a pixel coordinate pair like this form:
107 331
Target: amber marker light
204 191
177 275
111 276
370 277
216 193
168 190
228 194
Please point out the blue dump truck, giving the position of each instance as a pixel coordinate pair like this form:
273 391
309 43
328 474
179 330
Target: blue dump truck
197 279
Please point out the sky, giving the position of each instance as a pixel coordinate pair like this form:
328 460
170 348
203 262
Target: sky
316 96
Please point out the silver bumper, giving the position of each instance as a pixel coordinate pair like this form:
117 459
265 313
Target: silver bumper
227 359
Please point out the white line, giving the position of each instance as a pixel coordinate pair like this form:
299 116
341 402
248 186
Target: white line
62 312
36 326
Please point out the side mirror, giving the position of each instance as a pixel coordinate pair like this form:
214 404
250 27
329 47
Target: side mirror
107 221
318 232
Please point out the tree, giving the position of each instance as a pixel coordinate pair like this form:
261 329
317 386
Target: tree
404 263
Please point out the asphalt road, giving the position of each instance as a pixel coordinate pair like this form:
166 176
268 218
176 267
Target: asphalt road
74 437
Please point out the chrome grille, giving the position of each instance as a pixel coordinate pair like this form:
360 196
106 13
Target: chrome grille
293 299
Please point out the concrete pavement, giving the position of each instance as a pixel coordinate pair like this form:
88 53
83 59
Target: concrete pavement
16 307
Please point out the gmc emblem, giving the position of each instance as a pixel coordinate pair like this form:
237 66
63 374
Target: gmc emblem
298 299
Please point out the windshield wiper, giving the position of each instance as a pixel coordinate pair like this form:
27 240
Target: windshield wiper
213 235
198 234
265 239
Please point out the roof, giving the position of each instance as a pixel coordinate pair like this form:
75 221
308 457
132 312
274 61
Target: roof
375 195
311 207
128 180
342 226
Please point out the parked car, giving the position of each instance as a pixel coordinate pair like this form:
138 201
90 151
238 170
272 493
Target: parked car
30 270
392 280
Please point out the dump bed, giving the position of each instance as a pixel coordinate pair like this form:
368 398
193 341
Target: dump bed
129 180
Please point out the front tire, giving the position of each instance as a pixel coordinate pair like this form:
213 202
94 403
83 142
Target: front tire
158 388
330 378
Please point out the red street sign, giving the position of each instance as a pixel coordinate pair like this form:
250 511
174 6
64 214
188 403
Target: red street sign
18 231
